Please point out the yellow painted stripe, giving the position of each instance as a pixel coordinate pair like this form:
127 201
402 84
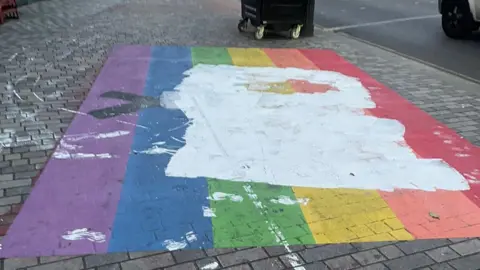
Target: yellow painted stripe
249 57
342 215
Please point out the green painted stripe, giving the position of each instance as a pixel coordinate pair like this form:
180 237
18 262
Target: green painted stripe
240 224
210 56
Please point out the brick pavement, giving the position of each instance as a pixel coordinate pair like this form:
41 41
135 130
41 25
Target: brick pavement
49 62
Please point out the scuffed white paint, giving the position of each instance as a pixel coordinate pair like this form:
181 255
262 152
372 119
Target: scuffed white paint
84 234
289 201
210 266
171 244
321 140
191 237
293 259
72 111
158 148
220 196
132 124
208 212
61 154
12 57
16 94
461 155
37 97
105 135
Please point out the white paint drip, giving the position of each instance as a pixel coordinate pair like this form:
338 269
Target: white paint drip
274 229
220 196
289 201
105 135
72 111
354 150
16 94
210 266
208 212
35 94
132 124
12 57
84 234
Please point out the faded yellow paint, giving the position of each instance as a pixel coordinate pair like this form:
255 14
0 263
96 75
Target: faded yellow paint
349 215
250 57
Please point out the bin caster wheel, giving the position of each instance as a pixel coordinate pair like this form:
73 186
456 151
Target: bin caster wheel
260 32
295 31
243 25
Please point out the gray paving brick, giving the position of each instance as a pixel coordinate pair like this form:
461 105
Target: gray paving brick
391 252
442 254
280 250
184 266
10 200
326 252
239 267
188 255
369 245
72 264
18 191
6 177
15 263
15 183
410 247
115 266
342 263
316 266
244 256
134 255
441 266
151 262
103 259
219 251
466 263
50 259
467 247
377 266
268 264
413 261
368 257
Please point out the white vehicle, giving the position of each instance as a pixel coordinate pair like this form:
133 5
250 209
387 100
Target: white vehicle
459 17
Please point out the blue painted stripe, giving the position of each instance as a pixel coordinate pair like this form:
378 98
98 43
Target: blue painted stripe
154 208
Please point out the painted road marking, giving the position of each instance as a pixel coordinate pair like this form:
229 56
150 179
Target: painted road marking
156 211
346 27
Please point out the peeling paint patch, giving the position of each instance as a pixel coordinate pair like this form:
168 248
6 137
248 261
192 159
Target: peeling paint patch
289 201
220 196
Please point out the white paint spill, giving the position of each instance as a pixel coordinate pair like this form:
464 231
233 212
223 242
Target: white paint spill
208 212
84 234
61 154
173 245
220 196
232 126
158 149
12 57
293 259
35 94
289 201
105 135
210 266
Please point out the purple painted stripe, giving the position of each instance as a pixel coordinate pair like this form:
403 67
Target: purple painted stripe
82 193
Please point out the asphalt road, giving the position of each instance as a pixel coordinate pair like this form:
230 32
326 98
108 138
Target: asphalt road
415 30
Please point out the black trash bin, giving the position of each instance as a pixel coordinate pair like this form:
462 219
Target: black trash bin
277 16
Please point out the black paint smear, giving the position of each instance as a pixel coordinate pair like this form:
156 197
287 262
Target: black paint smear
136 103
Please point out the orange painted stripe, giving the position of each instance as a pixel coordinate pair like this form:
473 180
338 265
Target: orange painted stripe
459 216
339 215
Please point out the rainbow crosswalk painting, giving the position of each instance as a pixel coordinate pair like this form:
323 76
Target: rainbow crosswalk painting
211 147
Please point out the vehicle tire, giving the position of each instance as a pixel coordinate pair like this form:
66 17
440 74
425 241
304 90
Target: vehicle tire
457 21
